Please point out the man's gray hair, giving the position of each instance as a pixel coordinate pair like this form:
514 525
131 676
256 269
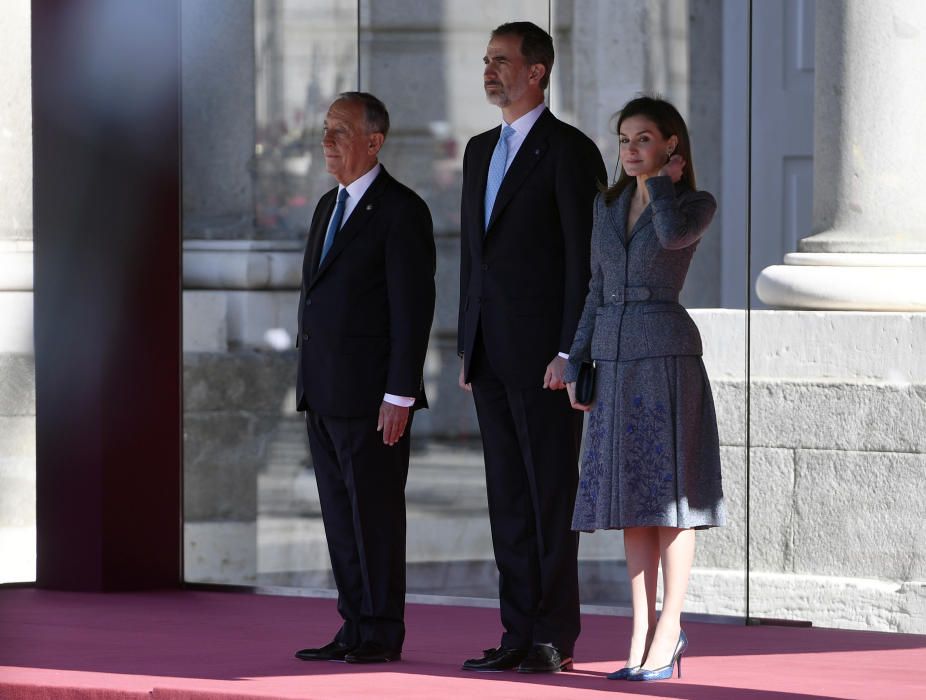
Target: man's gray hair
374 111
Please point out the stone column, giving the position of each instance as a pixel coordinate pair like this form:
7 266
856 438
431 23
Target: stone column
867 250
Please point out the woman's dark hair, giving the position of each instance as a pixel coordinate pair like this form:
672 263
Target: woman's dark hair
670 123
536 45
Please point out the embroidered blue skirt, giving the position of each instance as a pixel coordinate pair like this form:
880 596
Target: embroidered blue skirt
652 455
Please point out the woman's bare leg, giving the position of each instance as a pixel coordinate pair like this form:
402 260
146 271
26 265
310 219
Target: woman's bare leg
641 550
676 551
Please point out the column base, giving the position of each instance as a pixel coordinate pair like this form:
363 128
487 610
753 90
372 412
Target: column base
846 281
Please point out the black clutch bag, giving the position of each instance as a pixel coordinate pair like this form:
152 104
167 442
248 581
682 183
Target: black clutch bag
585 383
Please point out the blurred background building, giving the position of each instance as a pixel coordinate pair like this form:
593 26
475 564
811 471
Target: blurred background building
809 288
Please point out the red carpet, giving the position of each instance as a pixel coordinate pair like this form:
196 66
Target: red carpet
232 646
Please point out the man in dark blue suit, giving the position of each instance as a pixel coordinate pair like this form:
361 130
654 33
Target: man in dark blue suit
526 218
365 314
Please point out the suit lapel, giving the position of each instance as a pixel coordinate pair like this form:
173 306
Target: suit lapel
362 213
481 168
645 217
317 235
530 153
619 212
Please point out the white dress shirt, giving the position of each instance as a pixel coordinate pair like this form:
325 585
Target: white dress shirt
522 126
355 192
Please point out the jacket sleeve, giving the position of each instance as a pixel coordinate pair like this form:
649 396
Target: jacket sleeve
679 221
410 266
579 169
581 344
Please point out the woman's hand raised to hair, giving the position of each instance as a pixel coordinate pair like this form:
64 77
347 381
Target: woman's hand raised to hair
674 168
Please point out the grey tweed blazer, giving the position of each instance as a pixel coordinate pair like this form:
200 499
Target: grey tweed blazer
632 310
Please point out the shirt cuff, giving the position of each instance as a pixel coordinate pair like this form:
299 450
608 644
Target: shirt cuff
563 355
404 401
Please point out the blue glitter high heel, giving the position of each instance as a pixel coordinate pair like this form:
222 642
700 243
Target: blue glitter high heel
661 674
622 674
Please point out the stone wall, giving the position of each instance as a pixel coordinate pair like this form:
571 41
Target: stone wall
837 470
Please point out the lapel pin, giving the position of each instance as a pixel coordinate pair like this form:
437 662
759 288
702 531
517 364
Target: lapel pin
536 151
369 207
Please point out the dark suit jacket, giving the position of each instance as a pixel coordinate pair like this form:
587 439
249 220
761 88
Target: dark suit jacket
525 280
365 314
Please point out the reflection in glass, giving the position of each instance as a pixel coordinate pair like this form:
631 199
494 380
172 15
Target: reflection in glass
305 54
17 352
427 66
252 508
257 77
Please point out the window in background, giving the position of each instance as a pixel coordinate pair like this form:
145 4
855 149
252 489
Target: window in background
252 507
17 355
257 78
425 61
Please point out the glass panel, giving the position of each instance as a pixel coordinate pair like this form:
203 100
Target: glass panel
252 511
694 54
305 54
425 61
837 448
17 356
257 79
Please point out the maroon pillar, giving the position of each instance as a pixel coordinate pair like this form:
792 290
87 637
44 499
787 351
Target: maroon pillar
106 79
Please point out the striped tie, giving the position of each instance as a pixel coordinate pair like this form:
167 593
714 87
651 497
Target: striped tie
496 171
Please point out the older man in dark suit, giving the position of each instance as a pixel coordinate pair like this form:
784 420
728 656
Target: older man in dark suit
364 318
528 188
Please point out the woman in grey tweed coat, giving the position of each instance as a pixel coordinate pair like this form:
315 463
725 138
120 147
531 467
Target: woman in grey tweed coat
651 464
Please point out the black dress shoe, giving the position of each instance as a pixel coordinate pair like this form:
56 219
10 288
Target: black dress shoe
545 658
333 651
372 653
501 659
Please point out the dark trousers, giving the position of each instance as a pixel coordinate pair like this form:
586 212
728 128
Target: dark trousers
361 486
531 439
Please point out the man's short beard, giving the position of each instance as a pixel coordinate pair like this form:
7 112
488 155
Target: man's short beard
499 99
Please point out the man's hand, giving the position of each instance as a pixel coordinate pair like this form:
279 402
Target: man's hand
392 421
571 390
553 379
462 380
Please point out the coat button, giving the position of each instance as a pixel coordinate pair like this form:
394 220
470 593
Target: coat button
485 266
305 336
308 302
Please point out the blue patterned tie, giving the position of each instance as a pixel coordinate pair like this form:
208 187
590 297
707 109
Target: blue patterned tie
334 225
496 171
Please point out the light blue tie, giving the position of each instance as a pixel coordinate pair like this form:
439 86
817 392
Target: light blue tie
334 225
496 171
